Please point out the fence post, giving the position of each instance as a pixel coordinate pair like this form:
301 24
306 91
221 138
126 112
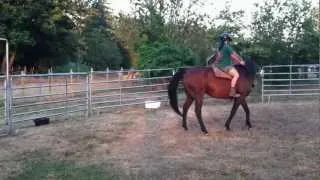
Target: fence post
262 84
91 74
149 77
107 73
319 72
290 79
5 101
120 84
50 79
22 82
66 104
40 86
89 95
71 82
8 105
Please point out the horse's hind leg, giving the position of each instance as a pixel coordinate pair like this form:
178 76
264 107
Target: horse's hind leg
198 107
186 107
235 107
246 109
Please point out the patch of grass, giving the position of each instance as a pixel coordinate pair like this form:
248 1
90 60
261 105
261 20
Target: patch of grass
47 168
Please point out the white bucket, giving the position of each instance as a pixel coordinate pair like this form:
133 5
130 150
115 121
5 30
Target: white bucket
152 104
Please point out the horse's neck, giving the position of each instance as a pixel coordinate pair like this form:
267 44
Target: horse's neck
244 71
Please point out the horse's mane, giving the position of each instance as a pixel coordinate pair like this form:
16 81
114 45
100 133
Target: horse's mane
249 69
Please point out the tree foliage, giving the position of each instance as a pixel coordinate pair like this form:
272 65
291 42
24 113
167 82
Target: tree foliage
101 51
282 29
39 31
48 33
166 55
159 33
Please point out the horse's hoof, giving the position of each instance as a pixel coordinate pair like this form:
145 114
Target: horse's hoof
185 128
228 128
205 132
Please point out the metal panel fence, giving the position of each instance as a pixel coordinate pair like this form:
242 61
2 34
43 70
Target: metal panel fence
290 80
66 95
27 97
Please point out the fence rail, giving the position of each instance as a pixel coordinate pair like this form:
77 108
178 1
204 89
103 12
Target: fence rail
290 80
28 97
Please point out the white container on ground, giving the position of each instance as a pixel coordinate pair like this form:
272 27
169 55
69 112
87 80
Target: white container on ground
152 104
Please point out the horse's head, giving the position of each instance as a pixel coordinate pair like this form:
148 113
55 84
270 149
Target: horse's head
248 70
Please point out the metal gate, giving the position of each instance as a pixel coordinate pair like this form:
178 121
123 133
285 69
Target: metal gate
290 80
66 95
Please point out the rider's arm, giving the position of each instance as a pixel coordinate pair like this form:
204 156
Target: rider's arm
236 58
217 58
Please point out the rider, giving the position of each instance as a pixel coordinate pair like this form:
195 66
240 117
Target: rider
225 60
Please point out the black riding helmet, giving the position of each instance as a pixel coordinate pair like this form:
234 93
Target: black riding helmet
225 36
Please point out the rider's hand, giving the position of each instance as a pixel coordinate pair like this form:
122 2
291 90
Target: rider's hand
243 63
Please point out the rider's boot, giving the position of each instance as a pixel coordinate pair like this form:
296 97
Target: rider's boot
233 93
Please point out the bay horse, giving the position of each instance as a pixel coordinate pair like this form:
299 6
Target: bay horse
198 81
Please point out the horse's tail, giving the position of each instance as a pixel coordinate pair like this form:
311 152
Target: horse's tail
172 90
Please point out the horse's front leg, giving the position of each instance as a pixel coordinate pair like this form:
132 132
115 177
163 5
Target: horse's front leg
234 109
246 109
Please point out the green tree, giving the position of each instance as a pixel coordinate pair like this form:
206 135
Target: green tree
126 30
40 31
150 16
307 45
166 55
172 21
230 21
102 48
280 29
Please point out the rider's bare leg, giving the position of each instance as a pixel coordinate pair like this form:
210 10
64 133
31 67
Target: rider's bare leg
235 76
221 73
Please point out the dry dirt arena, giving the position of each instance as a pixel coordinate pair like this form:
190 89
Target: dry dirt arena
151 144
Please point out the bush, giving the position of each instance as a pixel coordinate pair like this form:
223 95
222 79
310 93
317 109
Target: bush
165 55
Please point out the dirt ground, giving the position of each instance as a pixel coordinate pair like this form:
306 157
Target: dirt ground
151 144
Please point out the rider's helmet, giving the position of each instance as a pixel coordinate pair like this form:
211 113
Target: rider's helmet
225 36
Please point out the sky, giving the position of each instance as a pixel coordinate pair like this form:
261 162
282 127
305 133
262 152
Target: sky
211 6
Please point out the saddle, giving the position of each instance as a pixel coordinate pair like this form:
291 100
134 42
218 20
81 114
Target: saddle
219 73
